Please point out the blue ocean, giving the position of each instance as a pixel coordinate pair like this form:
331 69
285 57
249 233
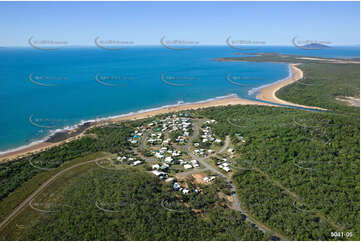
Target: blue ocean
43 92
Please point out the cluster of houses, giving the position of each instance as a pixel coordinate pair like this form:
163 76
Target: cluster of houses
184 190
156 138
170 123
224 165
130 160
163 151
189 165
206 134
203 152
168 161
209 179
136 135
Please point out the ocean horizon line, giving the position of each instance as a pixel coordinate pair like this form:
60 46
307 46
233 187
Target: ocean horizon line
193 46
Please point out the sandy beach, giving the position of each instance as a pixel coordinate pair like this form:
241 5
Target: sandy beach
266 94
269 93
214 103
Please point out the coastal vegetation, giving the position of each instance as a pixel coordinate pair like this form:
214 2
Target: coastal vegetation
295 172
324 80
133 205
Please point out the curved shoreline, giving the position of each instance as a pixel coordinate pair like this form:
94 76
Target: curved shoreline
214 102
269 93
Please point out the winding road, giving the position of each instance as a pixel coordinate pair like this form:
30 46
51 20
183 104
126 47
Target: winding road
236 202
207 166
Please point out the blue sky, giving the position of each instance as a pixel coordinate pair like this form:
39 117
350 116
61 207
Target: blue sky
145 23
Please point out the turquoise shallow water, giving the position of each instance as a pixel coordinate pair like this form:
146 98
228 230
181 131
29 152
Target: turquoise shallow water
45 91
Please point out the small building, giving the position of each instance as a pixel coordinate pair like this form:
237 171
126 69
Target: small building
138 162
164 167
161 175
195 163
227 169
188 166
185 191
158 155
176 186
168 159
155 167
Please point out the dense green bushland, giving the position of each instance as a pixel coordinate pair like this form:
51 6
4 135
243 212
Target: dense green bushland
15 173
322 83
135 205
313 154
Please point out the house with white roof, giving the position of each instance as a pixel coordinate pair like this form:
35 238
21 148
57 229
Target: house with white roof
138 162
168 159
155 167
188 166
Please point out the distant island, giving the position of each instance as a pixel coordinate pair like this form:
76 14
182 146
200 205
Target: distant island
315 46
